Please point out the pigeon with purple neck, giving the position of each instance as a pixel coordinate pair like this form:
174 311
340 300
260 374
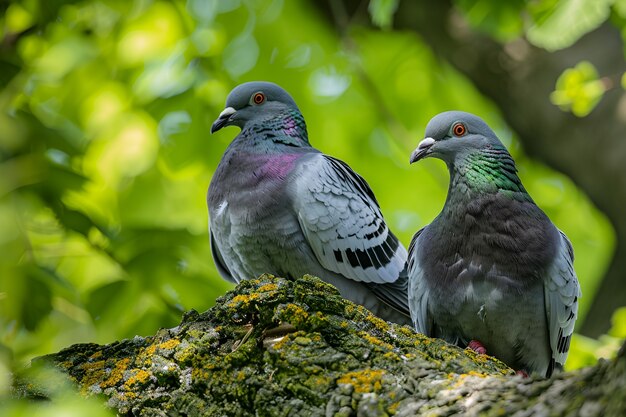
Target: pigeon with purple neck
277 205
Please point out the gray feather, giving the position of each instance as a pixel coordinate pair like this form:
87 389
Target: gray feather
561 297
491 267
277 205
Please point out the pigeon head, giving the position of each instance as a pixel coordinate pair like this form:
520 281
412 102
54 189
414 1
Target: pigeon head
253 102
452 134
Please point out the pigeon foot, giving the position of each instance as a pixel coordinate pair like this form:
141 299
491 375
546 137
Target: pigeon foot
477 347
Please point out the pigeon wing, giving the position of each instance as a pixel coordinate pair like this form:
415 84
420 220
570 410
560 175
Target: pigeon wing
219 261
561 293
418 290
343 224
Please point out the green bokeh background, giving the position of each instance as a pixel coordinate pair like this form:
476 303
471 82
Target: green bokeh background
106 153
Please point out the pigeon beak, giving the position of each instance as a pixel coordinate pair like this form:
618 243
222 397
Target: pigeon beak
422 150
223 119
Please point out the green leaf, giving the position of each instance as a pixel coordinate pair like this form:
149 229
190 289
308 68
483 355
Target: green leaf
17 19
39 297
558 24
99 300
241 55
382 12
619 323
620 8
500 19
578 89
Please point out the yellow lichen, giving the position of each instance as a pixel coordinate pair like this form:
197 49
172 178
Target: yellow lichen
367 380
139 376
242 299
375 341
116 373
96 355
296 314
267 287
94 372
380 324
199 374
149 351
405 331
144 357
183 355
281 343
169 344
461 379
391 355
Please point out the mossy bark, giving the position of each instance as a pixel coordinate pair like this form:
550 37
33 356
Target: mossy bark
276 347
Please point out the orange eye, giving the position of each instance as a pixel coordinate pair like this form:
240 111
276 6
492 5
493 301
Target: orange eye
258 98
459 129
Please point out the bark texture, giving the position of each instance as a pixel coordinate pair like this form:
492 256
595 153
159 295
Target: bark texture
519 77
327 357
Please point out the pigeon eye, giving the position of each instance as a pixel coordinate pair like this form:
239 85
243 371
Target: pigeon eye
459 129
258 98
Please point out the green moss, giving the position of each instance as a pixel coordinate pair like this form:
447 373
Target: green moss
216 363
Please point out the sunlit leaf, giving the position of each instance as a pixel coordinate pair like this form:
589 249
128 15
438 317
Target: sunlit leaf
209 41
300 57
63 57
127 149
500 19
578 89
329 83
240 55
382 11
204 10
152 35
558 24
164 79
17 18
619 323
105 103
173 123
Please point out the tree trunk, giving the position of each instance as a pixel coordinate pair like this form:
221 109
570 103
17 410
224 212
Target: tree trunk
328 357
518 77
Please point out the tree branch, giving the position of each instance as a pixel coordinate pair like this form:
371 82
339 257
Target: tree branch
329 358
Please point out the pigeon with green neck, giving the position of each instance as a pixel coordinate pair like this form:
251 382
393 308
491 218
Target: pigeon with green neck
491 271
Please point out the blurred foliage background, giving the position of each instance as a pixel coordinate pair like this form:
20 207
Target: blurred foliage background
105 152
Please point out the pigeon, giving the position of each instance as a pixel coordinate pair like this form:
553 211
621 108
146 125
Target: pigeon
491 272
277 205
